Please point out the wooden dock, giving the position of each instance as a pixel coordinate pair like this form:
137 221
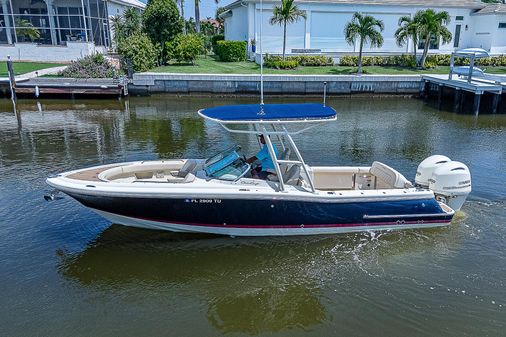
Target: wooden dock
52 86
477 86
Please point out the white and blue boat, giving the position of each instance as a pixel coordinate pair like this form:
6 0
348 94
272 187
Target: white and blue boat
219 195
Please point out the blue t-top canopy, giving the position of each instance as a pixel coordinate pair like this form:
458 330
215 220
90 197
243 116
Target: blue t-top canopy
271 112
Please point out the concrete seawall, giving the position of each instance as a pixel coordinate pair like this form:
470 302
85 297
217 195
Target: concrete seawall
150 83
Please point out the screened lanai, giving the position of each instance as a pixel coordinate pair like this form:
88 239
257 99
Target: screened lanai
56 21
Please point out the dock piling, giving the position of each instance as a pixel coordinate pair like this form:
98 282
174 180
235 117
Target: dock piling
456 100
439 96
12 78
495 103
476 104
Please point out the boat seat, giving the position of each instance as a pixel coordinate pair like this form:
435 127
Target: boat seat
188 167
144 175
285 155
292 176
190 177
387 177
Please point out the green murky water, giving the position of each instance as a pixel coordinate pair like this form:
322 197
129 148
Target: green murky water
64 271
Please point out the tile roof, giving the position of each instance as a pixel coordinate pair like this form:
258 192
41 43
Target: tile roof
493 9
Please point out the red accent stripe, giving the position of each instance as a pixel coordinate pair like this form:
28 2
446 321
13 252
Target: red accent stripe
298 226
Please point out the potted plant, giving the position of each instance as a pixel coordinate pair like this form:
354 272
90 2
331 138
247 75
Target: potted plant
253 43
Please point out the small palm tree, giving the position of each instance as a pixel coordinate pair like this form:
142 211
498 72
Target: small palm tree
432 24
408 30
284 14
24 28
365 28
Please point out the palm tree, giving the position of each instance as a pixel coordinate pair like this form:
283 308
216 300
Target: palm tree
181 6
432 25
365 28
24 28
118 29
408 30
197 14
287 13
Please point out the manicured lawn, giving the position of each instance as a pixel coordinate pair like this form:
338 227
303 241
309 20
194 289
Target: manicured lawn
208 65
25 67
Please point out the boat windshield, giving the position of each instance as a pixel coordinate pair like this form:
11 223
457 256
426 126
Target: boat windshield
226 165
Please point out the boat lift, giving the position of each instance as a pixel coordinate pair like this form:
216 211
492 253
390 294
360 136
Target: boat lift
472 54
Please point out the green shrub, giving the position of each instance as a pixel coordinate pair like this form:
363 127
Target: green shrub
231 51
409 61
91 66
313 60
139 49
277 62
397 60
215 39
185 48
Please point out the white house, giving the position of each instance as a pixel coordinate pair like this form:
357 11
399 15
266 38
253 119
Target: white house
69 29
473 24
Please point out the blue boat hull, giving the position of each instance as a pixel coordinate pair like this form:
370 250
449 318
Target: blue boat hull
275 216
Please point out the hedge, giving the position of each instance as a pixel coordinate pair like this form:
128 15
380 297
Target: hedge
231 51
215 39
291 62
398 60
409 61
277 62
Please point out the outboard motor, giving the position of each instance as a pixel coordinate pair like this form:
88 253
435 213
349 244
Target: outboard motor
449 180
427 167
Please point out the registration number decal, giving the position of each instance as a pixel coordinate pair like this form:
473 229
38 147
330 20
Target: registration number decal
203 201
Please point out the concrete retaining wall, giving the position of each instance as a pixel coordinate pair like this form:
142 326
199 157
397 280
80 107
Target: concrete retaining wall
148 83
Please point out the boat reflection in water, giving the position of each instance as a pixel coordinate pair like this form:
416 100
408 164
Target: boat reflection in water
249 285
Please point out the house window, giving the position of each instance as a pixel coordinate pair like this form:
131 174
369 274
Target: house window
459 18
502 24
433 43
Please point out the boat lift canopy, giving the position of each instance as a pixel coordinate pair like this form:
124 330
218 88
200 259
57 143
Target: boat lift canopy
265 118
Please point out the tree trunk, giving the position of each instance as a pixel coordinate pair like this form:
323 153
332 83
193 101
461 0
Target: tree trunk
284 39
425 51
181 3
360 56
197 16
415 47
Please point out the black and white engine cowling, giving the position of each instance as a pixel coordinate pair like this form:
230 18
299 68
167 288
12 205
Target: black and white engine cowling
449 180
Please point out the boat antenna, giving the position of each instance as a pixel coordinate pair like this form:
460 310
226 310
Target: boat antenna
261 112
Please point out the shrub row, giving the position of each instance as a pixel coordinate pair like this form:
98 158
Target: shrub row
231 51
313 60
291 62
409 61
277 62
398 60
